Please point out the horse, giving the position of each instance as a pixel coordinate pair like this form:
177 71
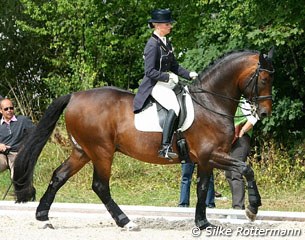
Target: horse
100 122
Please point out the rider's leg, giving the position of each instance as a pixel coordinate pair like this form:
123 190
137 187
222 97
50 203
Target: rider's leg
166 150
167 98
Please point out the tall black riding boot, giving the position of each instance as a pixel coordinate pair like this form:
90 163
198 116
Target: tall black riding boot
166 150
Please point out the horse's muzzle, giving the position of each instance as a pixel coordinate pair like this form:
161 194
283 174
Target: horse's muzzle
264 112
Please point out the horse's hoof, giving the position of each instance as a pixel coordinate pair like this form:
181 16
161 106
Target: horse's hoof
203 224
45 225
131 227
251 213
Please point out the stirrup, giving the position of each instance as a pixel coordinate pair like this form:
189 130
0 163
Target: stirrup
167 152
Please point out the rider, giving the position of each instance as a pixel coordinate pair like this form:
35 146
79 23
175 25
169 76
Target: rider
161 70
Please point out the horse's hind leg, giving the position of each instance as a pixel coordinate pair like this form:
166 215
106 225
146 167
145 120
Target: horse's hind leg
60 176
100 186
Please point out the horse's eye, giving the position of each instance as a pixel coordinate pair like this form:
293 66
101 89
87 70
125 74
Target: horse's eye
263 81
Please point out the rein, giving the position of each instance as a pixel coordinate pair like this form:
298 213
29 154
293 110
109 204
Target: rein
215 94
253 101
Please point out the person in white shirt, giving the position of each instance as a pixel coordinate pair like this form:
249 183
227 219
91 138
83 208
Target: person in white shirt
13 129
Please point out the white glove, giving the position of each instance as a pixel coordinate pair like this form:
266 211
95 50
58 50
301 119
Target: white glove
173 78
193 75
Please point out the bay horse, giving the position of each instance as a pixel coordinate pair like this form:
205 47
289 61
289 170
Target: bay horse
101 121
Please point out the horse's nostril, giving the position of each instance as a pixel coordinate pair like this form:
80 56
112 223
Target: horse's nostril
263 115
264 112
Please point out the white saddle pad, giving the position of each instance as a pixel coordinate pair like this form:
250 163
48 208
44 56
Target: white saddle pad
148 120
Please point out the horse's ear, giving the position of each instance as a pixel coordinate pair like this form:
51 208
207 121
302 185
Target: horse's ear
262 59
271 53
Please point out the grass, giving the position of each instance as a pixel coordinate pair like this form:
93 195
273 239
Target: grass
137 183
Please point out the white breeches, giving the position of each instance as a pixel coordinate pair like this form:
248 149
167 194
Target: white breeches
164 94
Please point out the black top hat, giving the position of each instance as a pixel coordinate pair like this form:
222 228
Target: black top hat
161 16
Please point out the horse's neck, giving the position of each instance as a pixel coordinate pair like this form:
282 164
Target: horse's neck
224 92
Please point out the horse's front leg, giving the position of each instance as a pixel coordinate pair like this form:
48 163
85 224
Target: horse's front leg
253 193
225 162
203 179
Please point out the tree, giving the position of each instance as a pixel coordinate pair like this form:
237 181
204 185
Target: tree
254 24
21 59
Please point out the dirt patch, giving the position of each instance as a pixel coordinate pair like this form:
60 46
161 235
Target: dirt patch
22 227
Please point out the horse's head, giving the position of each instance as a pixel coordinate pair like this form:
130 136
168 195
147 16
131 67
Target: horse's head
258 89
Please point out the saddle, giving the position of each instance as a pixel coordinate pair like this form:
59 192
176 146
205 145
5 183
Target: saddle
162 112
151 118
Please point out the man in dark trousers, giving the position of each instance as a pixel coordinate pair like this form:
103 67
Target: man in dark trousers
244 122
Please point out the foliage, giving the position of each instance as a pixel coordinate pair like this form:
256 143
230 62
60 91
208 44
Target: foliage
285 113
277 166
21 60
238 24
87 42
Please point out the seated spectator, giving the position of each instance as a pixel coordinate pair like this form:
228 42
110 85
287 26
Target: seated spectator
12 131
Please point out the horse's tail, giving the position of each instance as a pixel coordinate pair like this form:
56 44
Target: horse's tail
27 156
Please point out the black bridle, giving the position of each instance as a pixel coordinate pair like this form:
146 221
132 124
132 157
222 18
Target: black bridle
254 90
253 101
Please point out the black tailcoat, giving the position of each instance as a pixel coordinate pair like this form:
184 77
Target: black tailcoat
158 61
